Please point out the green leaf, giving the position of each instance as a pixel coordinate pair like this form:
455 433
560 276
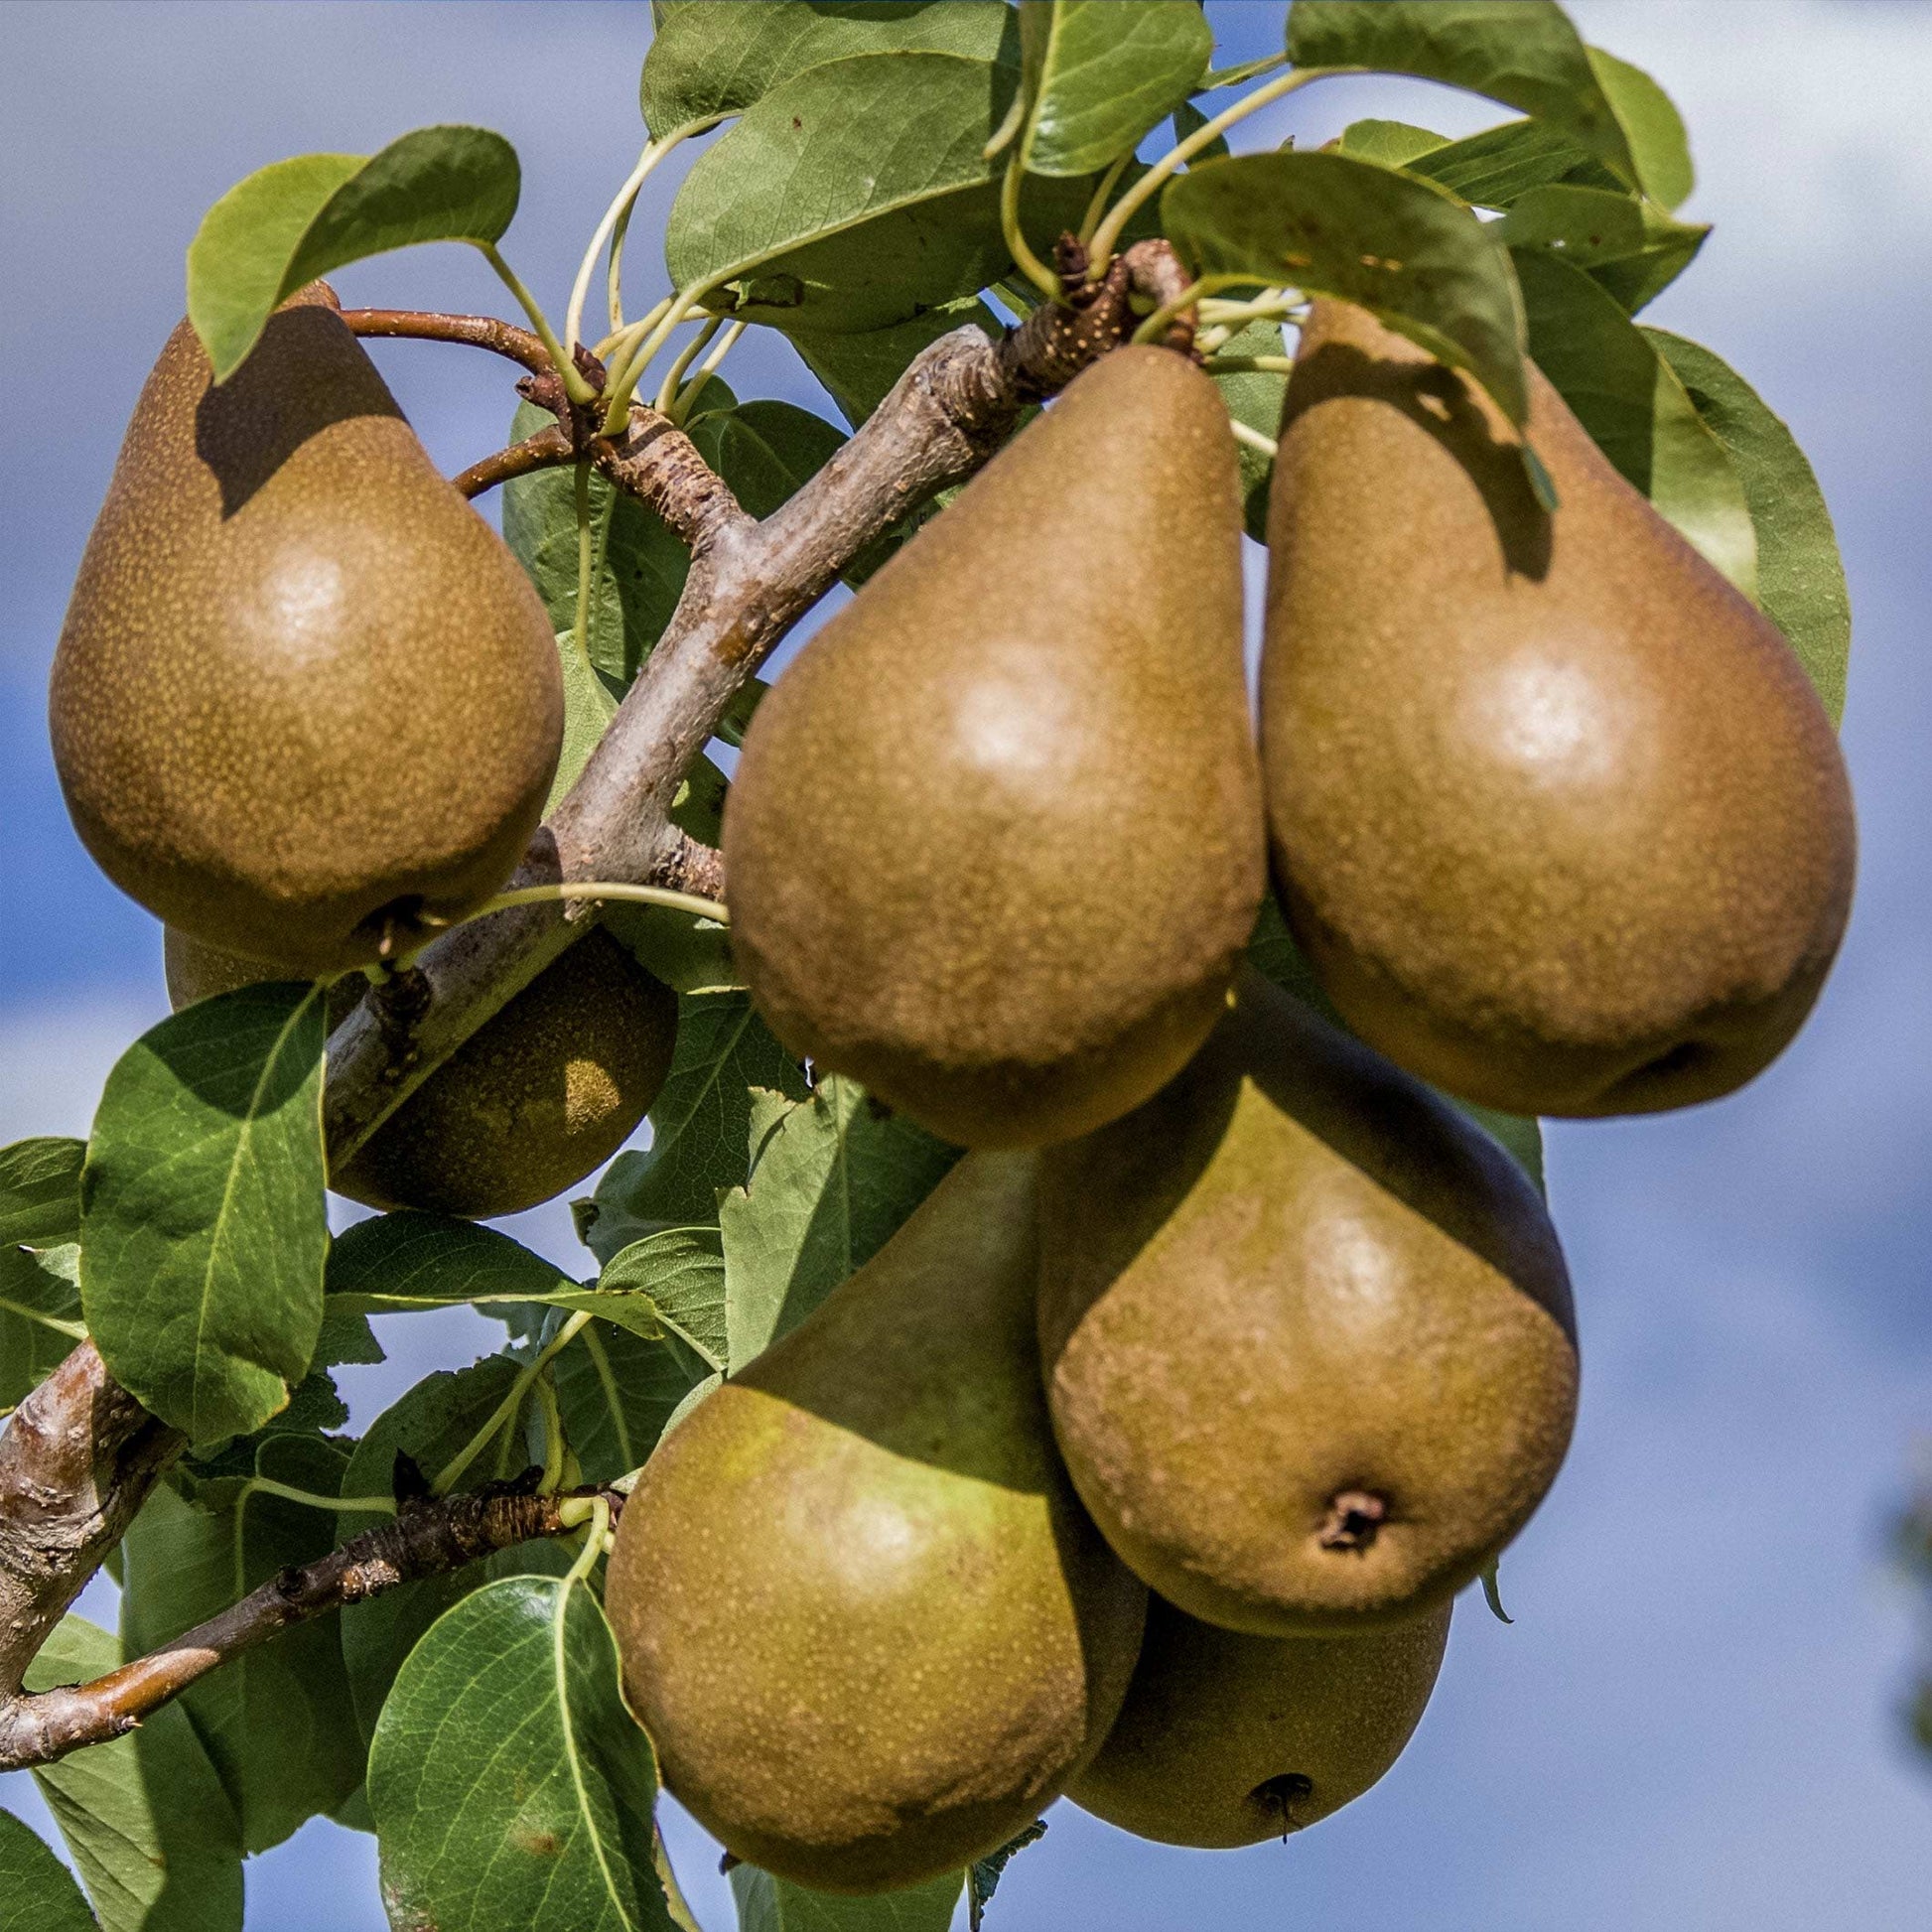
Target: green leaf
40 1193
699 1124
983 1875
1652 126
770 1905
1254 397
1334 226
1630 400
861 370
510 1787
1394 144
765 450
1189 120
681 1273
589 707
293 221
1800 579
36 1891
616 1392
432 1425
1102 72
1630 247
1523 52
707 62
410 1262
40 1315
275 1721
145 1816
1496 168
204 1229
832 1177
857 195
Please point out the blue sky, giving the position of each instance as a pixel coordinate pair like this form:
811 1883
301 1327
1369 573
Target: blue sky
1691 1723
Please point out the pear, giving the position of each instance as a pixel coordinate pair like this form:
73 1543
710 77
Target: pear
1227 1738
861 1614
1556 815
305 705
544 1093
994 845
1306 1330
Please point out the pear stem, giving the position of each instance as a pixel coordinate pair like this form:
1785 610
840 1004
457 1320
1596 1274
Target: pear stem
1030 265
1254 439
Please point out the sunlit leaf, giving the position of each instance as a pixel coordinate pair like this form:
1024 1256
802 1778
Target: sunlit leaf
1631 248
1102 72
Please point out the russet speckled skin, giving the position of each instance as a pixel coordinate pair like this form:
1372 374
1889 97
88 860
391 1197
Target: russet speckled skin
994 845
861 1615
1556 815
543 1094
1292 1276
302 685
1227 1739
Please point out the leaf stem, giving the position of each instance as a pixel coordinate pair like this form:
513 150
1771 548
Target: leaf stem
624 382
619 210
505 1411
699 908
593 1543
1036 271
343 1505
74 1331
687 396
568 374
1156 325
623 341
1254 439
689 354
1274 304
580 630
613 279
1097 207
1106 238
1250 366
553 1435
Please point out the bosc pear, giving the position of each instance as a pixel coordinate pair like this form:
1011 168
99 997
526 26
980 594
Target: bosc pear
994 845
1308 1333
1557 816
305 705
1226 1739
861 1615
541 1095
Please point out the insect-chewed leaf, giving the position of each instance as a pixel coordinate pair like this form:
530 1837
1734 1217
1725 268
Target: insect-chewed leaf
1631 247
770 1905
707 61
510 1785
432 1425
296 219
36 1891
1100 73
408 1262
699 1124
1334 226
274 1718
1630 400
203 1229
145 1816
1800 579
832 1177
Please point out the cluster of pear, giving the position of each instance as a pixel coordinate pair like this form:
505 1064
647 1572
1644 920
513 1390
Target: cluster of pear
1225 1303
306 709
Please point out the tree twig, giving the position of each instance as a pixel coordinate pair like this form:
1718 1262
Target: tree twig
546 450
480 332
427 1537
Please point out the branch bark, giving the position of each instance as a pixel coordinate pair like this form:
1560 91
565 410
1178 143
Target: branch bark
427 1539
480 332
548 448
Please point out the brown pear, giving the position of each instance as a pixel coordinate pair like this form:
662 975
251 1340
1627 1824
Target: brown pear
1555 813
541 1095
305 705
994 845
1226 1739
861 1615
1307 1330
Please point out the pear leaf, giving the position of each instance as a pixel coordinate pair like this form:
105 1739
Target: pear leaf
36 1891
508 1783
1800 577
293 221
770 1904
1254 397
202 1230
1652 126
1332 225
40 1295
1632 248
617 1393
1499 166
860 370
1101 73
983 1875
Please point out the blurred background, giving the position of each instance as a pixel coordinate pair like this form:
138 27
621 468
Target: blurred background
1701 1715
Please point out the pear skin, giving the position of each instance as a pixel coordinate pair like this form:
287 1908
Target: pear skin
305 705
1556 814
994 845
1308 1333
1226 1739
861 1614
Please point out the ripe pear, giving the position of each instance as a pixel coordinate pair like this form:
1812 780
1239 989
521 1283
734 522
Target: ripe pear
305 705
1307 1330
861 1614
1226 1739
544 1092
994 845
1556 815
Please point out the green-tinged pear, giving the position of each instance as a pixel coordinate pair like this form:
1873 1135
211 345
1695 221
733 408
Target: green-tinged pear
305 705
1557 816
1307 1331
541 1095
863 1616
994 845
1227 1738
